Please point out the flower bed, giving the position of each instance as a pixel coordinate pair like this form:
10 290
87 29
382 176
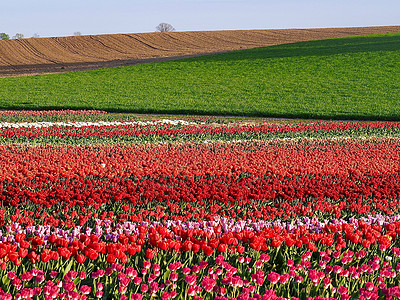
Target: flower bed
186 209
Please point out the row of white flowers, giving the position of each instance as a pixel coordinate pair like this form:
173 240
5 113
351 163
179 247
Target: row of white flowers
99 123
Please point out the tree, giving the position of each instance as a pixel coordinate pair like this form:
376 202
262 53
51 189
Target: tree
77 33
35 35
165 27
4 36
18 36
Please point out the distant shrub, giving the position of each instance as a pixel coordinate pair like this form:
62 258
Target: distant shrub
165 27
18 36
4 36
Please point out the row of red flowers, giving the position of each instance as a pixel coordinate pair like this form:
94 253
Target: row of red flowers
183 198
335 158
19 244
136 133
339 251
48 112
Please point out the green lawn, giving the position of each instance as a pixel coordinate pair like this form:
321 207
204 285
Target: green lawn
346 78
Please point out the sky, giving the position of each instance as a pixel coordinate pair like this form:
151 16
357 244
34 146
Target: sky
62 18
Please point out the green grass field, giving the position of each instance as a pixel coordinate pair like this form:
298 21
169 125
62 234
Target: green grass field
346 78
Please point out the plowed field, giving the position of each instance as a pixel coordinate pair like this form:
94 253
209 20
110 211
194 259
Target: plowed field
63 54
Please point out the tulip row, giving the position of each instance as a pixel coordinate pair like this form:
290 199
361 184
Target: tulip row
43 113
182 131
257 159
54 116
131 260
92 124
188 199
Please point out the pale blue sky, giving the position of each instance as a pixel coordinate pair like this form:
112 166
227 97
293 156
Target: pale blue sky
62 18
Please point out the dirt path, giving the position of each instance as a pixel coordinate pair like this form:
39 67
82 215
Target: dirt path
65 54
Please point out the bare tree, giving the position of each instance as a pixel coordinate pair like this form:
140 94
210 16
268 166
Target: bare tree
77 33
165 27
18 36
35 35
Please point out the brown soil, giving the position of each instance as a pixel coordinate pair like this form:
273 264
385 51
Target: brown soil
75 53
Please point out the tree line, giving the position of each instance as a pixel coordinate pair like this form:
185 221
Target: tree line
162 27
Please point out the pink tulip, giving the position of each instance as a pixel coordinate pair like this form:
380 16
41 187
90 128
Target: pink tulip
298 279
26 276
27 293
369 286
99 294
290 263
146 264
109 271
99 286
191 279
17 283
82 275
68 286
156 267
196 269
71 275
154 287
37 290
131 272
11 275
122 289
144 288
125 281
192 291
152 278
327 282
173 276
203 264
137 280
47 290
273 277
284 278
208 284
265 257
342 290
85 289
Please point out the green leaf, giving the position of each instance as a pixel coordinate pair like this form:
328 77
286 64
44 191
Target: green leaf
66 270
5 280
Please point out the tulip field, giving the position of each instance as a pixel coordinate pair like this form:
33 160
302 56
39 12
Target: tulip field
107 206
